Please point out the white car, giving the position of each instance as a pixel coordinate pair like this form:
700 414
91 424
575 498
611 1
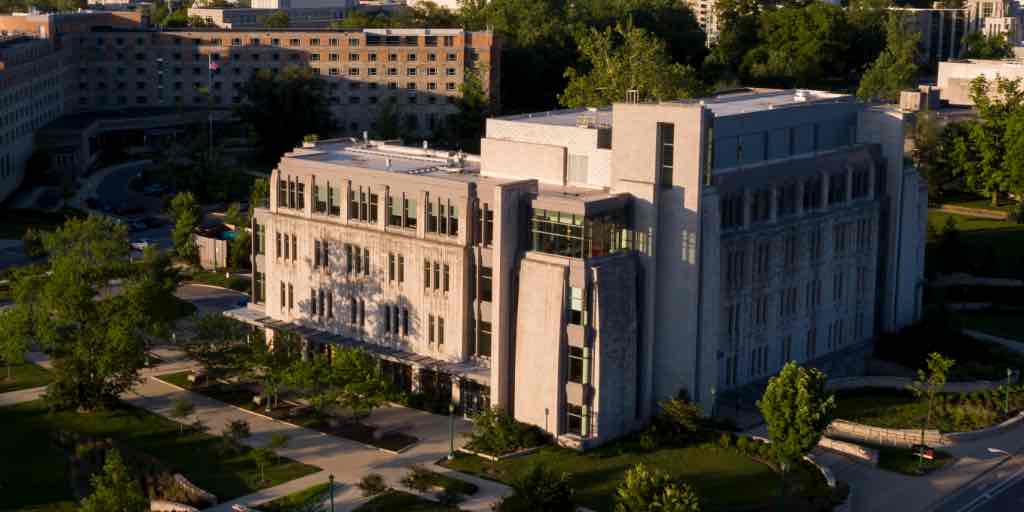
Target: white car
140 245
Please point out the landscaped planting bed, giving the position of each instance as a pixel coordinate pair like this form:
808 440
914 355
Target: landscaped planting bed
724 478
41 468
975 359
991 248
900 409
904 460
1004 323
391 501
23 376
241 395
297 499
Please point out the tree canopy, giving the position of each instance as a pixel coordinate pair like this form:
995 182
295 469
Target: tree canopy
114 489
647 490
980 46
895 69
797 410
283 107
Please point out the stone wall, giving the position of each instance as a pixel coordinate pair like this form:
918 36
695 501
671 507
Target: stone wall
877 436
862 453
903 382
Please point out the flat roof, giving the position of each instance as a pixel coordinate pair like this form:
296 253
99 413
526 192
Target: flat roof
722 105
384 157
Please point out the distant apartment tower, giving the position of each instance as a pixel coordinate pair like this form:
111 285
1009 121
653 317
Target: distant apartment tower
707 16
943 29
593 262
32 78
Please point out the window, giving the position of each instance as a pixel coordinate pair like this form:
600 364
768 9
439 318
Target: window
440 331
761 205
366 261
861 184
401 268
485 284
286 246
391 266
813 295
837 287
409 212
277 252
295 247
430 328
816 244
836 188
839 239
291 296
762 260
787 350
437 275
787 302
760 311
666 145
732 210
312 302
284 295
734 269
812 194
576 305
486 225
575 366
812 342
349 267
574 419
316 254
426 274
483 341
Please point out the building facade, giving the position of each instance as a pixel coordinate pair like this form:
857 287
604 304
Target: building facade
109 63
954 77
591 263
243 17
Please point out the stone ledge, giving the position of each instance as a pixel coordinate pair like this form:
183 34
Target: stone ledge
498 458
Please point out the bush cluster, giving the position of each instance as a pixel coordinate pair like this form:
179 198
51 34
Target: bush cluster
495 432
372 484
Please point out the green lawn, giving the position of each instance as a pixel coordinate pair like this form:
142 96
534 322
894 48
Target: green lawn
1005 324
886 408
41 469
391 501
218 279
286 503
428 478
993 248
23 376
718 474
903 460
969 200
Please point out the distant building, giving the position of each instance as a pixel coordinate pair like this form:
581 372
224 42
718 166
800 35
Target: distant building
242 18
954 78
707 17
942 30
592 262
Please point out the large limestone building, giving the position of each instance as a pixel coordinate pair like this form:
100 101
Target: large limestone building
590 263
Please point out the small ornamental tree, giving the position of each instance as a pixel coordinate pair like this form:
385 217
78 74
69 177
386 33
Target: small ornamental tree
541 489
181 410
797 410
114 489
13 342
184 211
928 385
262 457
645 490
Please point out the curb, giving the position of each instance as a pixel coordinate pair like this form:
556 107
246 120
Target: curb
936 505
264 416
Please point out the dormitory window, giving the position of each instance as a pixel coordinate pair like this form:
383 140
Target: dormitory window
362 204
789 248
836 188
485 284
576 364
574 419
486 225
861 184
732 210
576 305
762 254
442 217
313 302
787 199
734 269
816 244
666 144
812 194
761 207
732 321
291 296
760 310
396 267
787 350
286 247
482 342
839 238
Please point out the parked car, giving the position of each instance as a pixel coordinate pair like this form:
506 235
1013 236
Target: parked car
141 244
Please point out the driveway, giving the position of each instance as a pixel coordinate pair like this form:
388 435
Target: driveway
210 299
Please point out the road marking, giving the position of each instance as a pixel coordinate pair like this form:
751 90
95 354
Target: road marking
996 490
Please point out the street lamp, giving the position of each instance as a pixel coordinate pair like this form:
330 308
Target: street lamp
1009 375
712 401
330 479
546 412
451 431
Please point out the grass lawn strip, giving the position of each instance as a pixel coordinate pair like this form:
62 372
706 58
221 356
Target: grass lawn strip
435 479
23 376
217 279
391 501
41 472
287 503
1001 241
242 398
716 473
903 460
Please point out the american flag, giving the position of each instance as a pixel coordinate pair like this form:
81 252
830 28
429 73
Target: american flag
214 66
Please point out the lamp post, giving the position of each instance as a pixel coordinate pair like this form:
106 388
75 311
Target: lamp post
712 401
330 479
451 431
546 412
1009 375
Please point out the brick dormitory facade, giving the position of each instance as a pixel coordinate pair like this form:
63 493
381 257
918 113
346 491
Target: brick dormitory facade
590 263
100 65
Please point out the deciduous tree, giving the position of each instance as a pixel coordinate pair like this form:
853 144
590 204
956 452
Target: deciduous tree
980 46
895 69
114 489
185 212
929 384
646 490
283 107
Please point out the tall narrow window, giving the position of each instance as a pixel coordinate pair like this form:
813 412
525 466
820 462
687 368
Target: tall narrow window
483 340
312 302
362 312
354 311
295 247
437 276
325 260
358 266
348 258
291 296
394 211
576 306
405 321
430 328
666 145
366 261
373 208
278 251
485 284
426 274
446 277
431 216
488 225
401 269
316 253
286 246
440 331
409 210
330 304
391 266
575 366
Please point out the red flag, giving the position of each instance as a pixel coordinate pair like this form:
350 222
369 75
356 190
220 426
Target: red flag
214 66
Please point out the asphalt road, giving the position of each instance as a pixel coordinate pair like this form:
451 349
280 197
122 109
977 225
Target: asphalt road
1000 490
210 299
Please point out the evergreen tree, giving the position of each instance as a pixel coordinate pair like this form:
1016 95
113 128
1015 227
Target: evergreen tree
896 67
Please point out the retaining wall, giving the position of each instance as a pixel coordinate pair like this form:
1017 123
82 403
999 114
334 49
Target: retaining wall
862 453
904 382
981 213
905 438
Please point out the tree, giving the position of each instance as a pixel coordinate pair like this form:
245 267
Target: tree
541 489
220 344
644 490
151 293
270 363
800 46
181 410
927 153
797 411
13 342
895 69
928 385
262 457
464 129
622 59
981 158
679 419
114 489
277 442
33 243
240 249
283 107
185 212
980 46
234 432
93 335
314 380
234 216
357 378
259 195
279 19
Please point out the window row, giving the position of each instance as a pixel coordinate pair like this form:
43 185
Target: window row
287 246
441 279
786 197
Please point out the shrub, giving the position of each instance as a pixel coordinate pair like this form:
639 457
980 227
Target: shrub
647 440
644 490
725 440
678 420
372 484
33 243
418 478
743 444
495 432
449 498
540 489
